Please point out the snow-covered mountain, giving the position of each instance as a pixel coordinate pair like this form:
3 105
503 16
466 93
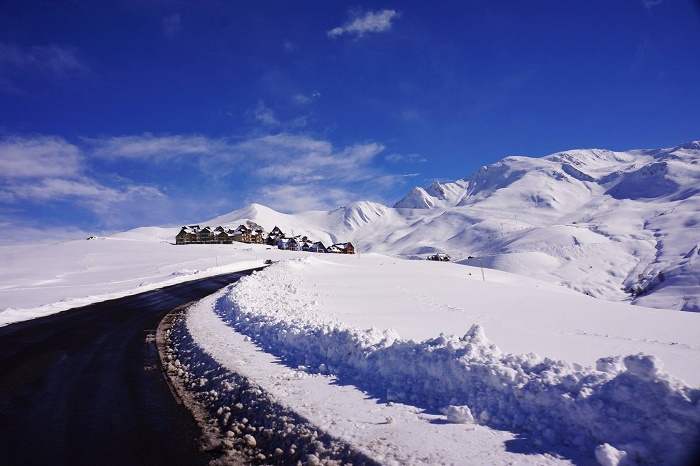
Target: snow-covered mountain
614 225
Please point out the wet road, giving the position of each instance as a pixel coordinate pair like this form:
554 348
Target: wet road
84 386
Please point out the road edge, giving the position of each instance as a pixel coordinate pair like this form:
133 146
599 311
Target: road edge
240 422
210 441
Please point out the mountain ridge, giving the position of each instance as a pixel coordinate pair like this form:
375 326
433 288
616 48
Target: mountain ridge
614 225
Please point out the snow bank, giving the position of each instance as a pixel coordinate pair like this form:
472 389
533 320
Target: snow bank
628 403
246 425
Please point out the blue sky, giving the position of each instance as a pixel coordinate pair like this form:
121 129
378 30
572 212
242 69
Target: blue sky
154 112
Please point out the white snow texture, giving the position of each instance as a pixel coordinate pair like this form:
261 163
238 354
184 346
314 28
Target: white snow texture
628 403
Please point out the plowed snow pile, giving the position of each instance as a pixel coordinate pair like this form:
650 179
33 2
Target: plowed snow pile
413 335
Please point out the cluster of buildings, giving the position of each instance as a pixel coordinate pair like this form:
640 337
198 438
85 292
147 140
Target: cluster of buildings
194 234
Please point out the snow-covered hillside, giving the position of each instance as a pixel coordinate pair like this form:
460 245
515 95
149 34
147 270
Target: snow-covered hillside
613 225
425 363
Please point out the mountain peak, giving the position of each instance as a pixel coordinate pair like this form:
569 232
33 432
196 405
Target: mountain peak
690 145
417 198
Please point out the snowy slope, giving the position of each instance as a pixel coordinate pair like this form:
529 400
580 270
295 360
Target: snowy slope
402 342
39 280
614 225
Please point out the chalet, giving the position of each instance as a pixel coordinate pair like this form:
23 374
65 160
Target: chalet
205 235
318 247
294 244
275 235
242 234
223 235
187 235
253 233
184 237
257 236
342 248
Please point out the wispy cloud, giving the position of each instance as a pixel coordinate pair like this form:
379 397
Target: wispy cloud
54 59
281 163
289 46
299 158
265 118
265 115
37 157
50 171
299 198
288 172
649 4
86 189
643 54
157 148
361 24
405 158
50 62
172 25
303 99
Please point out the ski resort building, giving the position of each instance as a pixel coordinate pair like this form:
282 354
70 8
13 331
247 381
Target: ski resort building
194 234
342 248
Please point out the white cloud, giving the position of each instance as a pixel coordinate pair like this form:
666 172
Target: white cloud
370 22
157 148
290 46
53 58
303 99
288 172
649 4
405 158
300 159
299 198
290 158
283 146
48 170
265 115
172 25
56 189
22 157
302 173
409 115
50 61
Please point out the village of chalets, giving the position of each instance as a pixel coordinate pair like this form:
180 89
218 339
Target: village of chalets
255 234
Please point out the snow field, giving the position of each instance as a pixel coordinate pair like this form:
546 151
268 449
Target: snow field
391 433
628 402
39 280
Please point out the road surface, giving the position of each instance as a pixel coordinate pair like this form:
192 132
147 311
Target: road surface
84 386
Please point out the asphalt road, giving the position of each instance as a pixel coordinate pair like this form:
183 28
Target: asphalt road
84 386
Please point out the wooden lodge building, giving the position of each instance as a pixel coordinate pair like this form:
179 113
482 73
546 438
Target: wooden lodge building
194 234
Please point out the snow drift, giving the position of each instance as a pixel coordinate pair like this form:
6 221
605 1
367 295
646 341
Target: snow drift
625 404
